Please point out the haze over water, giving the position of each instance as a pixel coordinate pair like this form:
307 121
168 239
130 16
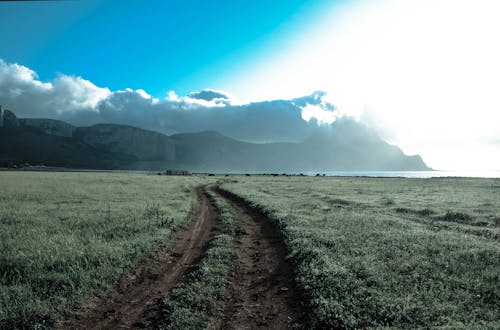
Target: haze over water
412 174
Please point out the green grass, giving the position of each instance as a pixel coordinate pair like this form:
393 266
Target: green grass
196 300
66 236
368 253
388 253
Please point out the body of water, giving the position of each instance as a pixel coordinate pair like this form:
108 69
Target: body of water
412 174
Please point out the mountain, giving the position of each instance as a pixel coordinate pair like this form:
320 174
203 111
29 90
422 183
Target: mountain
24 144
143 149
348 146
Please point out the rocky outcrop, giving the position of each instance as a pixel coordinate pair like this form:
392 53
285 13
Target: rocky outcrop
141 144
8 118
49 126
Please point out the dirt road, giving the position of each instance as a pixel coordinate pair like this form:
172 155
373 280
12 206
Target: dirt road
124 306
261 292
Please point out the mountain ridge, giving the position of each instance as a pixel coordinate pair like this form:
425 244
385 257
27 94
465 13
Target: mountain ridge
113 146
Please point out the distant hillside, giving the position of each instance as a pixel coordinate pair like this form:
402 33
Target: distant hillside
349 146
144 149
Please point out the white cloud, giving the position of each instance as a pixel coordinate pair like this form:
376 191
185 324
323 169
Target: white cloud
172 96
70 93
80 102
20 89
15 79
321 115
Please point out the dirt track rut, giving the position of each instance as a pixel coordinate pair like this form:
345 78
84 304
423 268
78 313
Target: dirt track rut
124 306
261 293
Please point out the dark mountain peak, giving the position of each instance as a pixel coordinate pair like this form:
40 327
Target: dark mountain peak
8 118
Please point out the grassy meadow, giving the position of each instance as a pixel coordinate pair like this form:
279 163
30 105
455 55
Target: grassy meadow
368 252
66 236
388 252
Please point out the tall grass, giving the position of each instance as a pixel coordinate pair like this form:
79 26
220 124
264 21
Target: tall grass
66 236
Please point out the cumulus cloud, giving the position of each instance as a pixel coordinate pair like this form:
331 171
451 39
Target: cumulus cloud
321 115
21 90
80 102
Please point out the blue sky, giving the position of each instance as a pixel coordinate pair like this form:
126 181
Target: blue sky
153 45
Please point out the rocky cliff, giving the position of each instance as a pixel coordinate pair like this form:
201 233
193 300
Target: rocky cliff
127 140
8 118
49 126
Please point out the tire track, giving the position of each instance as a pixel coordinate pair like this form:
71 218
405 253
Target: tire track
261 293
124 306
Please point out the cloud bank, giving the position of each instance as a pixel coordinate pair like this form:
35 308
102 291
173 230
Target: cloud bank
80 102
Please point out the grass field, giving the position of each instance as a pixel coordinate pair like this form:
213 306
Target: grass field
367 252
395 253
65 236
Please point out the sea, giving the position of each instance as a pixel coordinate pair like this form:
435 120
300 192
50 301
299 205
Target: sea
411 174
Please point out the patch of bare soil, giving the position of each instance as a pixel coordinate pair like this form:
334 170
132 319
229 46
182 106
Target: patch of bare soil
261 293
124 306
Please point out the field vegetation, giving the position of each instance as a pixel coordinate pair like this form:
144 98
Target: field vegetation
388 252
67 236
366 252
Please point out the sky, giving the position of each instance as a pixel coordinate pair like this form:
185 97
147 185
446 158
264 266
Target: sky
424 74
157 46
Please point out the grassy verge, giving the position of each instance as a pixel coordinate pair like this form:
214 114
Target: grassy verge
370 253
192 304
67 236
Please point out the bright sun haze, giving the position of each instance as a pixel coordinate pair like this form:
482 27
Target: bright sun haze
425 73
